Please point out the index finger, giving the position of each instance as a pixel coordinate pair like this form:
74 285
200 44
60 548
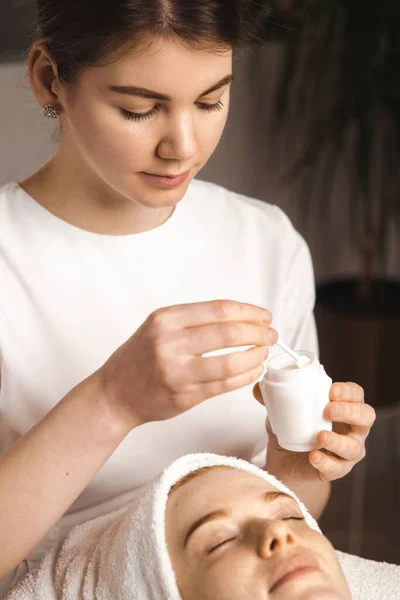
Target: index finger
346 392
217 311
351 413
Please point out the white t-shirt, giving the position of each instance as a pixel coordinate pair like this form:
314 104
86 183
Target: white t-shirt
69 298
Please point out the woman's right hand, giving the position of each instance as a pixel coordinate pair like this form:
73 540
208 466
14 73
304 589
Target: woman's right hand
160 371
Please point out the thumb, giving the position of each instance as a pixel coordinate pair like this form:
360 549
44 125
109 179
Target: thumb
257 394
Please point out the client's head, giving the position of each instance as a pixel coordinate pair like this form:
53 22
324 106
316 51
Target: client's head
233 535
218 528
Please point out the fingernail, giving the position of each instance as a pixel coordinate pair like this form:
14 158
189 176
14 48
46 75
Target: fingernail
272 336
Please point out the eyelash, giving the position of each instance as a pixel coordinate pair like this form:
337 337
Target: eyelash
132 116
234 538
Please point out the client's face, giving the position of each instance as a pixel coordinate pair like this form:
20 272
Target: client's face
233 536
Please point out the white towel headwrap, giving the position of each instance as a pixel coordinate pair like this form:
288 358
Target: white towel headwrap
143 531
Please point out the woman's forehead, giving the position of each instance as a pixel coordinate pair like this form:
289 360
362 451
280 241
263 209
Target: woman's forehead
221 483
162 63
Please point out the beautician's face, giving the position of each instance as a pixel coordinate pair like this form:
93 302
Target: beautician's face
252 544
123 138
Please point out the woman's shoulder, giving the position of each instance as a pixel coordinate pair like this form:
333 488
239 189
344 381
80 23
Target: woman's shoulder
216 198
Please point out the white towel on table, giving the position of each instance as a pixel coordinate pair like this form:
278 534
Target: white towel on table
124 556
369 579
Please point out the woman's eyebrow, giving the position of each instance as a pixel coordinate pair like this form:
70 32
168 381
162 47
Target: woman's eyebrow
220 513
271 496
216 514
145 93
224 81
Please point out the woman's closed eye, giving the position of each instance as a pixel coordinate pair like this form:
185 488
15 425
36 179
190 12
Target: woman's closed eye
143 116
218 106
221 544
232 538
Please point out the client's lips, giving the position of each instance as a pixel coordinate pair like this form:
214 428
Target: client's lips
292 568
167 180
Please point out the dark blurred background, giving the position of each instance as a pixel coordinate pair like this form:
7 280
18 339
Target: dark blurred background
314 128
17 19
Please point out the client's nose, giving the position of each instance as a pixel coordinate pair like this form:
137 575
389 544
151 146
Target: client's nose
275 536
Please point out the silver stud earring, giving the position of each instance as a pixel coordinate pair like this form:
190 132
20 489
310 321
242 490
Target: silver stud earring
51 111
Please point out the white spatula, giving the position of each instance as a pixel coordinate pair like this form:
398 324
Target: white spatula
301 360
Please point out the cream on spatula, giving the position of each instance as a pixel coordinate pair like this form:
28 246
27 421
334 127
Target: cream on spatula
301 360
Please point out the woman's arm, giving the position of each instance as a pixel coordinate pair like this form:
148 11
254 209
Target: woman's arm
157 374
43 473
314 494
295 471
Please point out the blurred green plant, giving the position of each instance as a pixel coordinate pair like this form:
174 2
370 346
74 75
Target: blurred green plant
340 94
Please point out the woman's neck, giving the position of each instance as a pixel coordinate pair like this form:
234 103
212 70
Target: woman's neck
79 199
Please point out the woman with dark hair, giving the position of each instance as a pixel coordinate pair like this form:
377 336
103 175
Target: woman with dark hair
121 273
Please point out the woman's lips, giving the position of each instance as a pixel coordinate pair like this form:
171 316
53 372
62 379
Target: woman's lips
292 569
170 181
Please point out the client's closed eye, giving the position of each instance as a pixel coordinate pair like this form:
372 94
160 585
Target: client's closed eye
233 538
220 544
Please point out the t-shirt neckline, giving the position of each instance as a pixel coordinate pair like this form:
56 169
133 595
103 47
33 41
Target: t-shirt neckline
57 223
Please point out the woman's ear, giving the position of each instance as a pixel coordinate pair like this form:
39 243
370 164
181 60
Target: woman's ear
43 76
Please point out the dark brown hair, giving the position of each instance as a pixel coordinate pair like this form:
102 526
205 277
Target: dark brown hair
81 33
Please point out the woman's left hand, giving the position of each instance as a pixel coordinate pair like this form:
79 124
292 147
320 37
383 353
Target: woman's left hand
343 447
339 450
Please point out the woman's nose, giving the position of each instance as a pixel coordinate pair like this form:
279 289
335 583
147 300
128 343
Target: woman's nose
179 142
275 537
